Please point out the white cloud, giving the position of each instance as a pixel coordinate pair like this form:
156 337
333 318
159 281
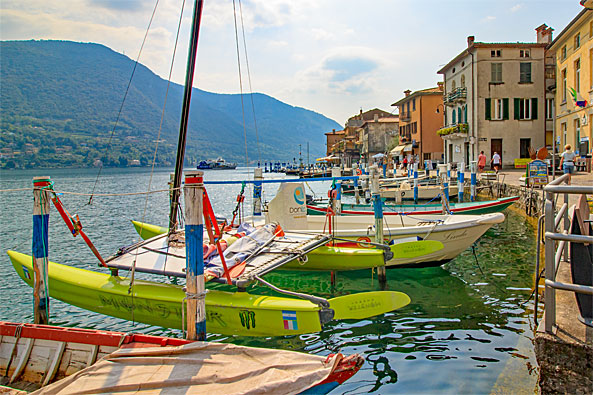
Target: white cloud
489 18
516 7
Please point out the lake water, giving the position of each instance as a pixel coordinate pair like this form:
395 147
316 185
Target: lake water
468 329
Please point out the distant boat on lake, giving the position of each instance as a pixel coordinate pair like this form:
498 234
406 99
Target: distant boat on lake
218 164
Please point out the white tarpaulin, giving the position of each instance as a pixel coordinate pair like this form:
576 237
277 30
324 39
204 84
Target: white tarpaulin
397 150
199 368
378 156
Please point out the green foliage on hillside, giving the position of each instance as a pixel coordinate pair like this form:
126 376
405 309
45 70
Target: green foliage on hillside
60 101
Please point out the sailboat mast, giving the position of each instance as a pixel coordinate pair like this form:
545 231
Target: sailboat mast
189 78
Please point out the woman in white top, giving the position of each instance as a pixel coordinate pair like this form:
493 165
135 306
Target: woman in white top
496 162
567 161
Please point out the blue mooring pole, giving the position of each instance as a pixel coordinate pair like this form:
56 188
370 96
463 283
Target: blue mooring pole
257 187
446 184
194 235
337 172
416 183
378 209
472 190
460 175
40 249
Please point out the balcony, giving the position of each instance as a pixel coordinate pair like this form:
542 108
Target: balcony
454 131
457 95
405 116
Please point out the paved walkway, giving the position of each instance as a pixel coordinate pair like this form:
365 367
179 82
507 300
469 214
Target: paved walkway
512 176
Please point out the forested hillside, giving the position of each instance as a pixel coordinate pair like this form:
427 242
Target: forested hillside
60 101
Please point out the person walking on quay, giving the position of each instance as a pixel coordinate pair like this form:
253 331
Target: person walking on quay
495 162
481 162
567 161
405 163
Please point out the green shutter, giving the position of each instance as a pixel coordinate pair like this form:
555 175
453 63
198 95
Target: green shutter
505 108
488 108
534 108
517 108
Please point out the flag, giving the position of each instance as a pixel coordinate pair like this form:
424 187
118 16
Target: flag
579 101
290 320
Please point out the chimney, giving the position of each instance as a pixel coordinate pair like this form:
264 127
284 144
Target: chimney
544 34
440 85
407 93
376 117
470 41
333 130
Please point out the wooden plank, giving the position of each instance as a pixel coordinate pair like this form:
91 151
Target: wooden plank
92 356
24 358
55 363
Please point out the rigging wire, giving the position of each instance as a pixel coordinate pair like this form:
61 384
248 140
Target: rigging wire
249 79
121 107
240 82
158 139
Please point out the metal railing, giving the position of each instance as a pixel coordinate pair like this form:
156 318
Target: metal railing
554 252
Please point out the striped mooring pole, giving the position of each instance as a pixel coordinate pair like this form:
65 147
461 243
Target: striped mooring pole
194 235
447 178
378 209
472 191
257 186
460 176
337 172
416 183
40 247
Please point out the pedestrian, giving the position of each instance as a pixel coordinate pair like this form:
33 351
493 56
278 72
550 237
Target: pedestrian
567 161
405 163
481 162
495 162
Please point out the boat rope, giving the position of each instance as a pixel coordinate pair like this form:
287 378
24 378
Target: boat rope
193 296
322 302
240 199
240 83
249 79
121 107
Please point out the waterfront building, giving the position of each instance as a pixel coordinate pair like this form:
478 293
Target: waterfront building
494 99
573 49
376 135
331 138
420 116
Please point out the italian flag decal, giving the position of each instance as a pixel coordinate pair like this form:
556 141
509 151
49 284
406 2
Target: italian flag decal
290 320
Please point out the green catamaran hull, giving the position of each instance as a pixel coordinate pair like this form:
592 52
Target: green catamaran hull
322 258
227 313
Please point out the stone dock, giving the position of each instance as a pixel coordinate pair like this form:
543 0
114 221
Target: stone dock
565 357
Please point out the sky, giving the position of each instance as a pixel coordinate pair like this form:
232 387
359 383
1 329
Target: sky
334 57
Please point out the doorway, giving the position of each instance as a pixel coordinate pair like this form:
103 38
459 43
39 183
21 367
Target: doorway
496 146
524 145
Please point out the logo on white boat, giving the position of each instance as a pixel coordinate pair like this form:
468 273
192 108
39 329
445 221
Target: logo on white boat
299 195
290 320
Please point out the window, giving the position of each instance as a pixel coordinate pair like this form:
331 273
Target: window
496 72
564 137
577 75
414 104
497 109
463 80
549 108
524 53
495 53
526 109
577 41
563 53
525 72
454 117
452 85
563 86
408 108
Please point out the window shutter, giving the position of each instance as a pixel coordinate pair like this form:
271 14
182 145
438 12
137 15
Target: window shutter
505 108
534 108
488 108
517 110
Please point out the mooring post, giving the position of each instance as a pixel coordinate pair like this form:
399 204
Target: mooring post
257 186
194 234
446 183
337 172
40 247
416 183
460 176
472 191
356 191
378 209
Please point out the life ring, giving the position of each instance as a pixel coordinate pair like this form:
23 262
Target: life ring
363 245
358 172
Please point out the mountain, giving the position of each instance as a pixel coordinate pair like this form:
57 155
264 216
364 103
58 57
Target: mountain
60 101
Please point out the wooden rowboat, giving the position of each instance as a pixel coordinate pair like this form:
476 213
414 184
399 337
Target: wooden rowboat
35 356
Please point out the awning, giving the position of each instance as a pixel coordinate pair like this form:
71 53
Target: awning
327 158
397 150
408 148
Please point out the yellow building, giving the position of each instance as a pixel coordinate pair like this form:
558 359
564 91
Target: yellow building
574 83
